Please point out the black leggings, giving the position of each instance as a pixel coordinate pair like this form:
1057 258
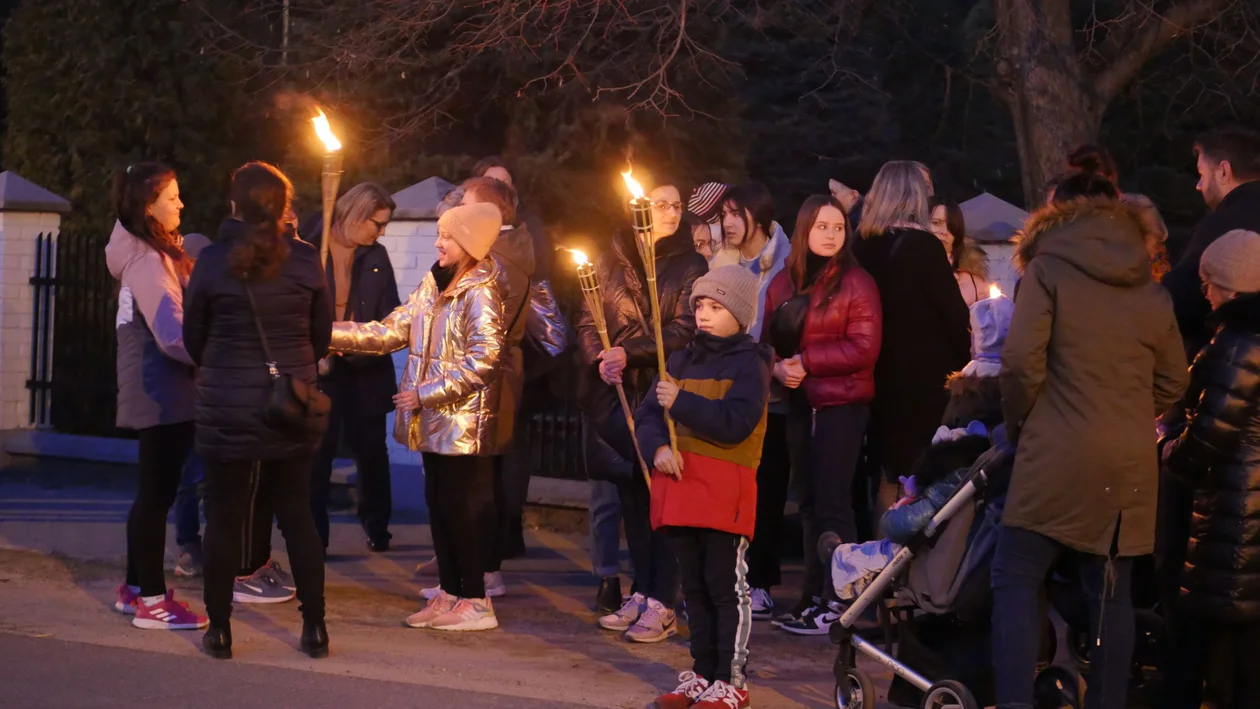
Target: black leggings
163 452
459 490
232 489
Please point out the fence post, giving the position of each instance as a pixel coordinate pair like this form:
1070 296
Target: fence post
30 223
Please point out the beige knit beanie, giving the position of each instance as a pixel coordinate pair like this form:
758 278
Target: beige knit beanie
473 226
1232 262
735 287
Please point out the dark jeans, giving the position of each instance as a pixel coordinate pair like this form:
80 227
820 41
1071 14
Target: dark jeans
1021 563
1226 651
714 570
163 452
459 490
833 436
773 478
233 490
366 437
187 510
651 554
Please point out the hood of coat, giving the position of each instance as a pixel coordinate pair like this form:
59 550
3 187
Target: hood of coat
1242 312
516 246
775 251
1103 238
123 246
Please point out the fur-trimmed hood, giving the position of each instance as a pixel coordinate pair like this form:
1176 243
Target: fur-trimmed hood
1104 238
972 399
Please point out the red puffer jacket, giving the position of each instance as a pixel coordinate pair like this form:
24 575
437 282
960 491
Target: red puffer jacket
841 339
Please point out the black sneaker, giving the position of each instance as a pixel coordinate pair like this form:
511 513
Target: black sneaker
815 621
609 600
802 607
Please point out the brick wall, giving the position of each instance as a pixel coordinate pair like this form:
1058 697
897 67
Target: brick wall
18 232
411 251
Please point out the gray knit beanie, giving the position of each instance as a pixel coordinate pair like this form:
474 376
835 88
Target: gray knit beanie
735 287
1232 262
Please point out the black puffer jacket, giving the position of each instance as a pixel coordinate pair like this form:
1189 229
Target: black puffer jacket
628 311
1218 455
233 384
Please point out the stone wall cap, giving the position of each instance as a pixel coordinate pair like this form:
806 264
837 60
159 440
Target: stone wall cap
420 200
18 194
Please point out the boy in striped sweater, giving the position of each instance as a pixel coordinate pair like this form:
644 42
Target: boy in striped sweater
706 495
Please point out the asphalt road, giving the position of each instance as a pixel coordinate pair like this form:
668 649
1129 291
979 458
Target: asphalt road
39 673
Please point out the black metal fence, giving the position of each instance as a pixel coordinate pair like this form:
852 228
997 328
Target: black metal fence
553 437
72 383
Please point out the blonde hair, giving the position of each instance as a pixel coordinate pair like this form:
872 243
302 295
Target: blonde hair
359 203
899 194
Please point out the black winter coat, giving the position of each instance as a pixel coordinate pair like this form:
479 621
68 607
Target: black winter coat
364 384
1239 210
926 330
1218 455
233 384
628 311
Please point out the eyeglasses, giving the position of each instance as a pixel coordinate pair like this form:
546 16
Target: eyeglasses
663 206
380 226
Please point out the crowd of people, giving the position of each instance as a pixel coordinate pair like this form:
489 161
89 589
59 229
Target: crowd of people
821 364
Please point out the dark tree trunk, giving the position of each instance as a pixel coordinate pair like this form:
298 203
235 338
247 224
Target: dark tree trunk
1053 109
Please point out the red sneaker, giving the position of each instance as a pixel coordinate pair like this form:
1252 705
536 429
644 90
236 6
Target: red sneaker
127 600
167 614
721 695
690 687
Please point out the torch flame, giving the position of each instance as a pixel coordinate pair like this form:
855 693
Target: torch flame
635 188
324 131
579 257
994 291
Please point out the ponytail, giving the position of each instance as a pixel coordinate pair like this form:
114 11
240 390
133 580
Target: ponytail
263 199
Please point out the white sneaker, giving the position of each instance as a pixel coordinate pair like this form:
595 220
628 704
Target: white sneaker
495 587
762 604
468 614
656 624
626 616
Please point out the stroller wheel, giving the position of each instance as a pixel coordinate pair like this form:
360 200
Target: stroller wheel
857 691
948 694
1054 688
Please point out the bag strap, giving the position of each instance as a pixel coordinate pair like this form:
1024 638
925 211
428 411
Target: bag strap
262 334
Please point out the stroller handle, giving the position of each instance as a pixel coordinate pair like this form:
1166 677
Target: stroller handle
997 456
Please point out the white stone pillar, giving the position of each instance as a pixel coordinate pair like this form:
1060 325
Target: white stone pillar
27 212
410 243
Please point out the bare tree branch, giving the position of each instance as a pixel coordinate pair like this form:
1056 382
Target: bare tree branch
1146 34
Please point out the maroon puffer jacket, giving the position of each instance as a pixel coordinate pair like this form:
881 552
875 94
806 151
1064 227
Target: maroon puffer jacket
841 339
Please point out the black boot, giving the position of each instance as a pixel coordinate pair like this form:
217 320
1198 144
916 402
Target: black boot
314 638
609 598
217 642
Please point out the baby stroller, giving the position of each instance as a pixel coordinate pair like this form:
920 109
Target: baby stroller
942 575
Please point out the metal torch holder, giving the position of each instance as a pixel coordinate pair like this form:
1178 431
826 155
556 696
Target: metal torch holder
594 297
641 213
330 183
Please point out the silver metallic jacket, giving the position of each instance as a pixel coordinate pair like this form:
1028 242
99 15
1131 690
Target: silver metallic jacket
456 339
544 323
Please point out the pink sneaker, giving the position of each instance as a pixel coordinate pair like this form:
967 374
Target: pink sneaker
168 614
439 605
467 614
127 600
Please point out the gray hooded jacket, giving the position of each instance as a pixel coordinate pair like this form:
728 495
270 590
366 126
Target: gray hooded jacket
155 373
